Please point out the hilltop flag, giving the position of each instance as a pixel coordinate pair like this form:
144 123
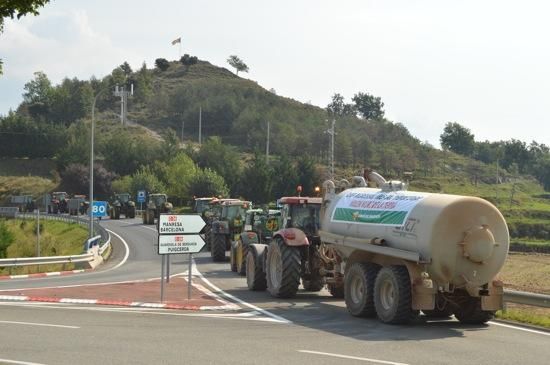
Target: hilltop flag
176 41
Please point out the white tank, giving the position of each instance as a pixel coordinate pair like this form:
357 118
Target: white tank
464 239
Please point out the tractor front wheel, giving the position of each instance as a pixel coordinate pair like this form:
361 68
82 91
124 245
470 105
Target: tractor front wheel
283 269
217 250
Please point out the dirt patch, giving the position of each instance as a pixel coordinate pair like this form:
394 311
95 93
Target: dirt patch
527 272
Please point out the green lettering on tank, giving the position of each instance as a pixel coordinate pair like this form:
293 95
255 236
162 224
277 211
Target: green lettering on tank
369 216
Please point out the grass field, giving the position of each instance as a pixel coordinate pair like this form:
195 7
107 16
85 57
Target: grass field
56 239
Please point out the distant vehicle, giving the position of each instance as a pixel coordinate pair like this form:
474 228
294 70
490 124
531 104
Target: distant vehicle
122 204
201 204
259 226
157 204
227 227
58 203
78 205
25 203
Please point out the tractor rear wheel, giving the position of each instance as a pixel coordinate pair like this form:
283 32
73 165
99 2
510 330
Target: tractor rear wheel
393 295
117 212
255 275
217 250
283 269
131 212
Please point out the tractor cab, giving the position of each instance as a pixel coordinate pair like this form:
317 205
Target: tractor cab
201 204
123 198
302 213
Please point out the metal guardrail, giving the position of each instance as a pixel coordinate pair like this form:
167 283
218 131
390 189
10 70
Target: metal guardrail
520 297
103 240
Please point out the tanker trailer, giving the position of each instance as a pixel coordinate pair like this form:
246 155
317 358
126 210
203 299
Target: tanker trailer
401 252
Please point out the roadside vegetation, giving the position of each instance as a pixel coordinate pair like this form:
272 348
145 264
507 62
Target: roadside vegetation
18 239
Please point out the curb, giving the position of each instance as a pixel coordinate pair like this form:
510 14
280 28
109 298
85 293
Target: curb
24 298
43 274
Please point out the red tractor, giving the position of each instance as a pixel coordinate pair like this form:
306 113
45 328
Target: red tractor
295 253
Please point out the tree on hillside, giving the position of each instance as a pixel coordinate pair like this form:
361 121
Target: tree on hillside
6 239
208 183
221 158
457 139
237 63
125 67
187 60
285 176
145 179
17 9
338 108
162 64
76 179
143 87
368 106
257 180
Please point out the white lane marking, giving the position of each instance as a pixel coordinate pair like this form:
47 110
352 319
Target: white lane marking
6 361
238 300
127 251
40 324
248 316
152 229
351 357
520 328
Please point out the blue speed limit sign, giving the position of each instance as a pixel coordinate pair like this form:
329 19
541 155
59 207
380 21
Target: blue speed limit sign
99 209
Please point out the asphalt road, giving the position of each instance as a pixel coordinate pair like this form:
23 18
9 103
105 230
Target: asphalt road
311 328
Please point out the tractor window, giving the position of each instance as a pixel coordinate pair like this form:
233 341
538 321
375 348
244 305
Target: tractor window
234 211
306 217
159 200
124 198
201 205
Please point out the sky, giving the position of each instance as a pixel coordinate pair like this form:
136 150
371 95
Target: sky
484 64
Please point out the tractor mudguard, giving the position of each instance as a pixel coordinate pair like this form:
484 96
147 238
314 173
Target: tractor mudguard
292 237
249 238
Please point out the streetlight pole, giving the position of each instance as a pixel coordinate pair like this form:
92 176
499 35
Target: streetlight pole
91 227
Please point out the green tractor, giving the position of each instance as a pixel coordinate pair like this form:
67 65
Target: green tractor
201 204
227 227
122 204
157 204
259 227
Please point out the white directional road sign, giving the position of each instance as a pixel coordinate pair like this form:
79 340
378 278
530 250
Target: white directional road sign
180 224
174 244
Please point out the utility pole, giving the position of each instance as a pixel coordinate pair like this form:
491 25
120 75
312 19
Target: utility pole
182 126
267 145
200 125
123 94
332 133
38 232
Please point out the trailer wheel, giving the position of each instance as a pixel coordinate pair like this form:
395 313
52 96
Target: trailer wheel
446 312
255 275
241 251
359 289
337 291
283 269
392 295
232 258
471 313
315 284
217 250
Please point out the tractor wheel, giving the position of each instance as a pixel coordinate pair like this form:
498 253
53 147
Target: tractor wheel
241 251
315 284
217 250
393 296
337 291
55 209
144 216
232 261
208 236
255 275
151 216
131 212
471 313
359 289
117 212
283 269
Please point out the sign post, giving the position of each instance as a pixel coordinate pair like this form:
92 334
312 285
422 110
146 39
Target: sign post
141 198
179 234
